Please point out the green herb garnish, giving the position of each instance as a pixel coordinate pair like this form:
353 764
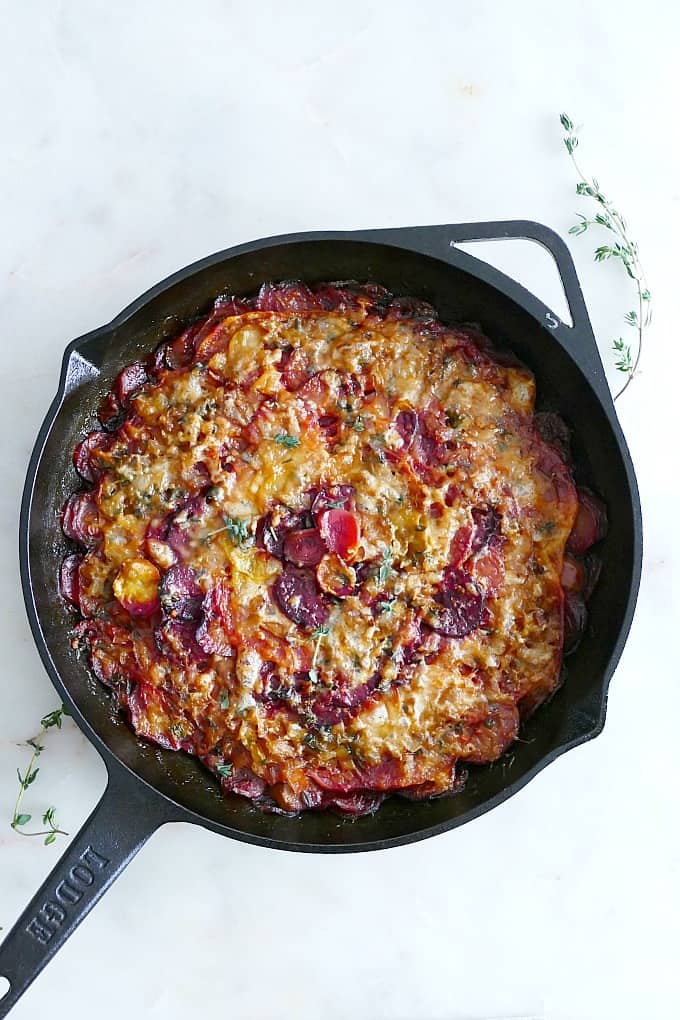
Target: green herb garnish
225 769
317 635
290 442
385 568
49 820
621 248
238 529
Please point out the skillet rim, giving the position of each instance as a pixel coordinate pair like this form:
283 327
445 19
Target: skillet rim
586 361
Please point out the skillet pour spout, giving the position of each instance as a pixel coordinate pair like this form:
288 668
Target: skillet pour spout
148 786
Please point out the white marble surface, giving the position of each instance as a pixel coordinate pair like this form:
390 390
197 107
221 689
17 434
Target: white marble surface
140 136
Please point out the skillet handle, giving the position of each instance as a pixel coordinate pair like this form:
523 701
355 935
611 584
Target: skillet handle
578 339
529 230
118 827
441 240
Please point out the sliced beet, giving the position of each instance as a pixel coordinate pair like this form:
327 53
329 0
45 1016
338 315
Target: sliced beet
110 413
68 578
179 353
354 805
157 360
552 429
294 369
227 305
177 639
338 497
340 531
488 567
273 527
180 594
593 568
575 620
406 424
80 519
304 548
590 525
297 595
213 634
131 379
337 297
182 522
461 545
364 570
460 606
85 454
573 574
342 701
244 782
410 308
486 525
289 296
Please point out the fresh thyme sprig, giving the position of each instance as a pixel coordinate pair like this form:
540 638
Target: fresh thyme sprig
237 528
19 818
317 634
385 566
623 248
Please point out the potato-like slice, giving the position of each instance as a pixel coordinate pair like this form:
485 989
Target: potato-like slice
136 587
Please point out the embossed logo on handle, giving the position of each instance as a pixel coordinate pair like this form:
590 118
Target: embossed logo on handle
67 893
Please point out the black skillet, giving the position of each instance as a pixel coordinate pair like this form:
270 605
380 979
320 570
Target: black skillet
147 786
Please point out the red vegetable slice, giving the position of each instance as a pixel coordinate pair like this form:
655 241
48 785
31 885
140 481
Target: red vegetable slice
244 782
573 574
180 352
181 524
80 519
487 524
146 705
177 638
294 369
110 413
68 578
337 297
460 606
355 805
333 497
552 428
575 620
291 296
274 527
590 525
488 569
85 454
297 595
216 627
304 548
180 594
131 379
340 531
410 308
228 305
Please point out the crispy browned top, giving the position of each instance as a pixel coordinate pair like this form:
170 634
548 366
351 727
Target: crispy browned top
324 547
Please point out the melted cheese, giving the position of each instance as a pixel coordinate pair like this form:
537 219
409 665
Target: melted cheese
228 425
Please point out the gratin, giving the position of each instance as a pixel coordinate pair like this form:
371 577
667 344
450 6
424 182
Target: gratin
328 548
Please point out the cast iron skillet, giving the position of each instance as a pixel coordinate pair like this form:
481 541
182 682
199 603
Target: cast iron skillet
147 786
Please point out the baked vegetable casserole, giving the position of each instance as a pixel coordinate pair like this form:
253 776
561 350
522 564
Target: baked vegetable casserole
327 547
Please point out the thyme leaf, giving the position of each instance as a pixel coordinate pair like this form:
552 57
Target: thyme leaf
290 442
